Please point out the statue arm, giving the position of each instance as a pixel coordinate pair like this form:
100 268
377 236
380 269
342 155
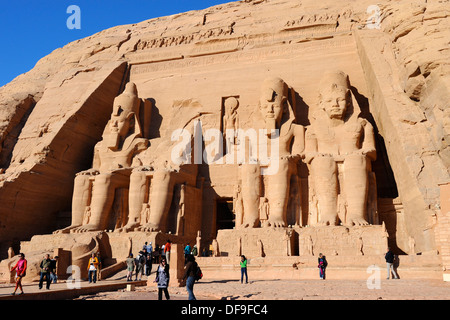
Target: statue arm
96 162
311 149
298 146
141 145
368 145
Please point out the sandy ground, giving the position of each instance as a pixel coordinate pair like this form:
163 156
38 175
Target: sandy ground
401 289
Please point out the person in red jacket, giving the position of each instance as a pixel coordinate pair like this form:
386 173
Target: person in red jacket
167 248
21 268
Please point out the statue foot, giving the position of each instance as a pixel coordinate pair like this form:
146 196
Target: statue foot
149 227
65 230
277 223
330 221
357 221
85 228
248 224
127 228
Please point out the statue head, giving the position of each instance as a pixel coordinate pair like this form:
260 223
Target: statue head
123 117
231 105
334 94
272 102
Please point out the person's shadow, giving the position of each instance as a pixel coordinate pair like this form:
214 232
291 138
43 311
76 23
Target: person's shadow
396 264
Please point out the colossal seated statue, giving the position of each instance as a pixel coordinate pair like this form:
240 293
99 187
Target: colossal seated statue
339 148
95 189
279 121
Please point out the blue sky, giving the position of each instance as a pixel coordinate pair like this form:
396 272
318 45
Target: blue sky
31 29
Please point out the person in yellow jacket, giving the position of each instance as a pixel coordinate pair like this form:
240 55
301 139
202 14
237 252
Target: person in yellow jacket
92 268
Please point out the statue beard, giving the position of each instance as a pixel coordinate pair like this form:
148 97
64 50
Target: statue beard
113 141
271 124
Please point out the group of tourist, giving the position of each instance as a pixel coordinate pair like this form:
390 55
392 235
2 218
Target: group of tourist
161 255
47 272
389 257
143 263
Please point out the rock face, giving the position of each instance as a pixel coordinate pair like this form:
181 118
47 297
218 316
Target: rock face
206 70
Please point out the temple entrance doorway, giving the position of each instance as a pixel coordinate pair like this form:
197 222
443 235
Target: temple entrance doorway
225 218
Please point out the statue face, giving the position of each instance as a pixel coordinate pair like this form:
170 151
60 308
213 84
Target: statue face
271 103
119 125
335 102
120 122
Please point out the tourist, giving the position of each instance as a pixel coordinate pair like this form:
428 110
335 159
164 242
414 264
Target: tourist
148 264
167 248
211 250
92 268
189 275
140 264
243 264
45 266
53 264
21 269
150 251
187 252
163 253
130 267
322 266
99 266
389 257
144 267
162 278
156 254
194 251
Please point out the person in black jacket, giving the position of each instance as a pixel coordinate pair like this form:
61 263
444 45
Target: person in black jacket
53 266
389 256
189 275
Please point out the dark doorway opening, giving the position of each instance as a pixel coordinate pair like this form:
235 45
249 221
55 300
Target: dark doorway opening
225 218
